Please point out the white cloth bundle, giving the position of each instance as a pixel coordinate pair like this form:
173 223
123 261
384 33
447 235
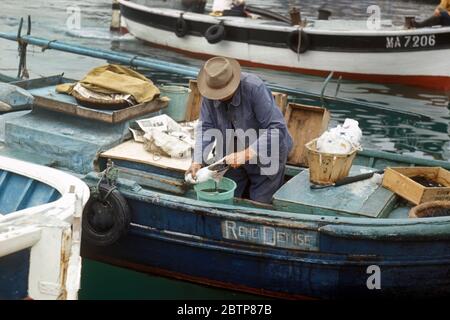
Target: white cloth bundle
157 141
341 139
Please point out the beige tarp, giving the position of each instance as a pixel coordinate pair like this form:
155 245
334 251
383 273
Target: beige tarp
113 79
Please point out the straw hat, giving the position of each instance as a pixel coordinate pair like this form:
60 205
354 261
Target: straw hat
219 78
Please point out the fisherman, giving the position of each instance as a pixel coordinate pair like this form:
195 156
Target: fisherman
239 114
441 16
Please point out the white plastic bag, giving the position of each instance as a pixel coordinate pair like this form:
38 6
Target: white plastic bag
341 139
156 141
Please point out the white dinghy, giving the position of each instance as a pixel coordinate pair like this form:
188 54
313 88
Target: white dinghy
40 231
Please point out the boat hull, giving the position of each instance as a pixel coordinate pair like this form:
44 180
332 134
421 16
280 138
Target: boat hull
40 215
177 240
425 66
14 272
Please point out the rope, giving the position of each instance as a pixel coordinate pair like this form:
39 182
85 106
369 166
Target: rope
110 174
109 193
132 60
47 46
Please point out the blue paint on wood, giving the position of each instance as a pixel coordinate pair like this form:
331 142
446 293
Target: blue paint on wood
19 192
360 198
14 275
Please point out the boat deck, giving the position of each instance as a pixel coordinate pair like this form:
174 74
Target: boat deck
360 199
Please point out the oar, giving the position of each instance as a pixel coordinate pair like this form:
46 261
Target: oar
347 180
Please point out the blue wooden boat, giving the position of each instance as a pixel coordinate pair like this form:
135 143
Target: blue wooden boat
334 243
40 212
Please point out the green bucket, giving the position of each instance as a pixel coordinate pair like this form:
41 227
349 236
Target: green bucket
206 191
178 98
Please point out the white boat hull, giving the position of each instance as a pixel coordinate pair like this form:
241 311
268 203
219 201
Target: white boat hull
428 68
50 232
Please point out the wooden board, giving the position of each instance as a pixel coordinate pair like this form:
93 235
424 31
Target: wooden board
281 100
135 152
305 123
46 97
194 102
109 116
398 180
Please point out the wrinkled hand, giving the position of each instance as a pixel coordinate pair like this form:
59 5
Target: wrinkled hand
193 169
237 159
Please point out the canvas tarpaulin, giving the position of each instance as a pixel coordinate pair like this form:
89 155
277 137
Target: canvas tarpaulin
115 79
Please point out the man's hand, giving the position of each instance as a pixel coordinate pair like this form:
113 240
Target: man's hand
237 159
437 12
193 169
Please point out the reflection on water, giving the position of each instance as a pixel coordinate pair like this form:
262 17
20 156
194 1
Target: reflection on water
99 280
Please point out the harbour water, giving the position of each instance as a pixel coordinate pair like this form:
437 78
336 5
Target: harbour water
420 128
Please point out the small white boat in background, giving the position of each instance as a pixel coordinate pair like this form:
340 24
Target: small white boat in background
387 54
40 231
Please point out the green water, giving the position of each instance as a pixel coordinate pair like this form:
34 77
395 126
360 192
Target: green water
101 281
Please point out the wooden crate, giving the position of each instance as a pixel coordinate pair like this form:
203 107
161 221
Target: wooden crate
399 181
305 123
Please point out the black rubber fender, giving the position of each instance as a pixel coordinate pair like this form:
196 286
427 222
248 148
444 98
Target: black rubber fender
215 33
181 27
106 218
293 41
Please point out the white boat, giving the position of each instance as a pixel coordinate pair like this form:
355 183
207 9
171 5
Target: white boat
388 54
40 231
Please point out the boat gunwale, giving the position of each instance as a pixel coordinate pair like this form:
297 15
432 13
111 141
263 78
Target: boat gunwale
243 23
284 218
58 180
357 227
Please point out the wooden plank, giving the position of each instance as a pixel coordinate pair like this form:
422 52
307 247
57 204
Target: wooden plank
281 100
152 180
54 105
135 152
305 123
109 116
42 82
194 102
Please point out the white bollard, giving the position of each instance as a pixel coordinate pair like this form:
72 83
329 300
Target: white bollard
115 19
